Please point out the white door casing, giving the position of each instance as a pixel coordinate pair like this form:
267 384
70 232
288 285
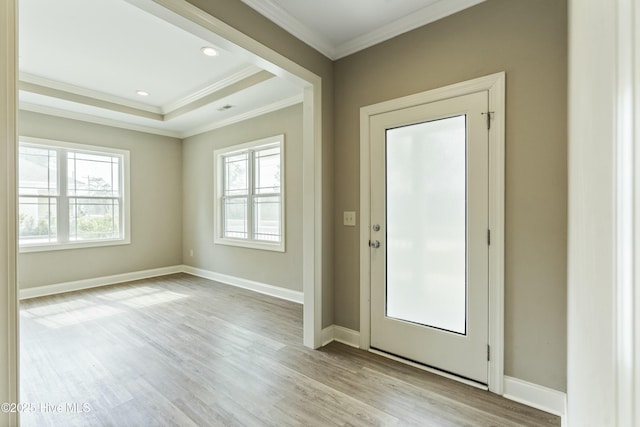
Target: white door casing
603 291
8 202
495 85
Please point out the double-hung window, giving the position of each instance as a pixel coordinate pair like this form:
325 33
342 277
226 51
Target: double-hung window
249 194
71 195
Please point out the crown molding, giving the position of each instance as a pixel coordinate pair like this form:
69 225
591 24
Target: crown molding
424 16
59 112
69 92
89 93
211 88
221 93
283 19
66 114
87 100
278 105
237 82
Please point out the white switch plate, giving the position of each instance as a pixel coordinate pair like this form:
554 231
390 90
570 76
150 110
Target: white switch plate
349 218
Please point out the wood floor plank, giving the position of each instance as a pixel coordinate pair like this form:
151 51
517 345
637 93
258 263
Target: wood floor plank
180 350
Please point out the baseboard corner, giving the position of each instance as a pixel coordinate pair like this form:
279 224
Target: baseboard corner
342 335
537 396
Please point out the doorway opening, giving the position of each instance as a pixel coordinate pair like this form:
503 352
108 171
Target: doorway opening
186 16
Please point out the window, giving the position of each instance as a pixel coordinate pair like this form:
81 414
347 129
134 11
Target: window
249 194
71 195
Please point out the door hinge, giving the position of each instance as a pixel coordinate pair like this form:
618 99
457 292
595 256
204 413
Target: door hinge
489 237
489 115
488 352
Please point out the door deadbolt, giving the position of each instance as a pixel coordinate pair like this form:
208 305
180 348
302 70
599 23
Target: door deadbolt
376 227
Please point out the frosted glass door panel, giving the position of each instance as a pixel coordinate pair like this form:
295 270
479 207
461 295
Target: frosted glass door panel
426 224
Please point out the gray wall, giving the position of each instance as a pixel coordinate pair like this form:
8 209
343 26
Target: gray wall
273 268
528 40
156 199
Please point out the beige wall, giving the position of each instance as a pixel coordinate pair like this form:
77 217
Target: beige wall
528 40
250 22
156 199
273 268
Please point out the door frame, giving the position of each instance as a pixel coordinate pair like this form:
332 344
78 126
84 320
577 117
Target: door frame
495 85
9 357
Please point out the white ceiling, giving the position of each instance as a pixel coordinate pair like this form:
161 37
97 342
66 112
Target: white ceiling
338 28
86 59
116 48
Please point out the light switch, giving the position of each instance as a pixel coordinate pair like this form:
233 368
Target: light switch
349 218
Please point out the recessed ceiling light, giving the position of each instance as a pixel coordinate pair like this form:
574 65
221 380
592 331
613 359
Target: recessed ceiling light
209 51
142 93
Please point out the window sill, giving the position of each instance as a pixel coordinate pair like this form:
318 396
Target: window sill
75 245
274 247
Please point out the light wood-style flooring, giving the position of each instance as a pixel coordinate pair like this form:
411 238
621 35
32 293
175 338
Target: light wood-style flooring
183 351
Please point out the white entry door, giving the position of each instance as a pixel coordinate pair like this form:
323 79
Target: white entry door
429 234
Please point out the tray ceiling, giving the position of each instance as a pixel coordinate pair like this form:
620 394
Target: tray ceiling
88 60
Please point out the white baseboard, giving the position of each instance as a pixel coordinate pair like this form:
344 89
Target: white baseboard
536 396
78 285
263 288
342 335
326 335
530 394
346 336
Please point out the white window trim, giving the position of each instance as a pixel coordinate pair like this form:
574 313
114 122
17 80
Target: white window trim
126 205
218 239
